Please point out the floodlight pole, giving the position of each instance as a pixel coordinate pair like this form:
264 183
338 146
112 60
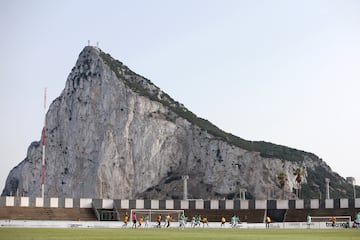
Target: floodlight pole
43 140
327 181
354 188
352 181
185 178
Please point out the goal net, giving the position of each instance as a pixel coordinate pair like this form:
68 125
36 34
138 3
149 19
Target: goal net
340 221
153 214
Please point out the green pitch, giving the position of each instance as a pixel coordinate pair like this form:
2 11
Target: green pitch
176 234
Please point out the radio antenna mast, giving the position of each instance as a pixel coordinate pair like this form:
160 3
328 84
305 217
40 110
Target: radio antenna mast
43 141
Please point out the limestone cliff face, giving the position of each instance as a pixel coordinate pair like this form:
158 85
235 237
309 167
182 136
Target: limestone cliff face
113 134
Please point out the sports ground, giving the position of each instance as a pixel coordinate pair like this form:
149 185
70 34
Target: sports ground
176 234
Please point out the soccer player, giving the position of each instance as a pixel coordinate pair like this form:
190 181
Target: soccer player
147 218
198 219
126 219
204 221
333 222
141 219
308 220
268 221
223 221
182 221
234 221
159 221
193 221
133 218
168 220
357 220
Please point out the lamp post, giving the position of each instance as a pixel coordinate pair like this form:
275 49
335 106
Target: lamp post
327 181
354 190
352 181
81 194
185 178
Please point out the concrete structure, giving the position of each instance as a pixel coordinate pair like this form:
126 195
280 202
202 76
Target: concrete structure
242 193
286 213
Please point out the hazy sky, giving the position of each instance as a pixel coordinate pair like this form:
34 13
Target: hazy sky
286 72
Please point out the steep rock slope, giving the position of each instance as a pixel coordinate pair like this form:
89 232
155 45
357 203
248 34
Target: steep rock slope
113 134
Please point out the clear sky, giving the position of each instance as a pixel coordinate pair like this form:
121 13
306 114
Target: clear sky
286 72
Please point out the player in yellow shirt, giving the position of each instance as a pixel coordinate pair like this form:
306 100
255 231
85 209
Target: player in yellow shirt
141 219
126 219
168 220
268 221
223 221
159 221
204 221
333 222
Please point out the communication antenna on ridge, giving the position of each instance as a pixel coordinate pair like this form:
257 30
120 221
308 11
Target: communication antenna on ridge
43 141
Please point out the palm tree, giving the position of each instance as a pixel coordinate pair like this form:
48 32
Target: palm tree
282 177
299 173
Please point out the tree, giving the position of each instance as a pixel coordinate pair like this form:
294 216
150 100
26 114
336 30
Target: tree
299 173
282 177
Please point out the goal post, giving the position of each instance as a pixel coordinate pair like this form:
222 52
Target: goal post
153 214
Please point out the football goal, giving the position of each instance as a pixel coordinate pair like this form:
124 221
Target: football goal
153 214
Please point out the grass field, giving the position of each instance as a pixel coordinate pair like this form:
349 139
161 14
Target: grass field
176 234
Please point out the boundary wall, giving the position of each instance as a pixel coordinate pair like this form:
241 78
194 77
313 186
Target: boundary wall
10 201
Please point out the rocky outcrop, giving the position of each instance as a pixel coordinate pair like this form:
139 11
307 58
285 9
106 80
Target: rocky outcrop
113 134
